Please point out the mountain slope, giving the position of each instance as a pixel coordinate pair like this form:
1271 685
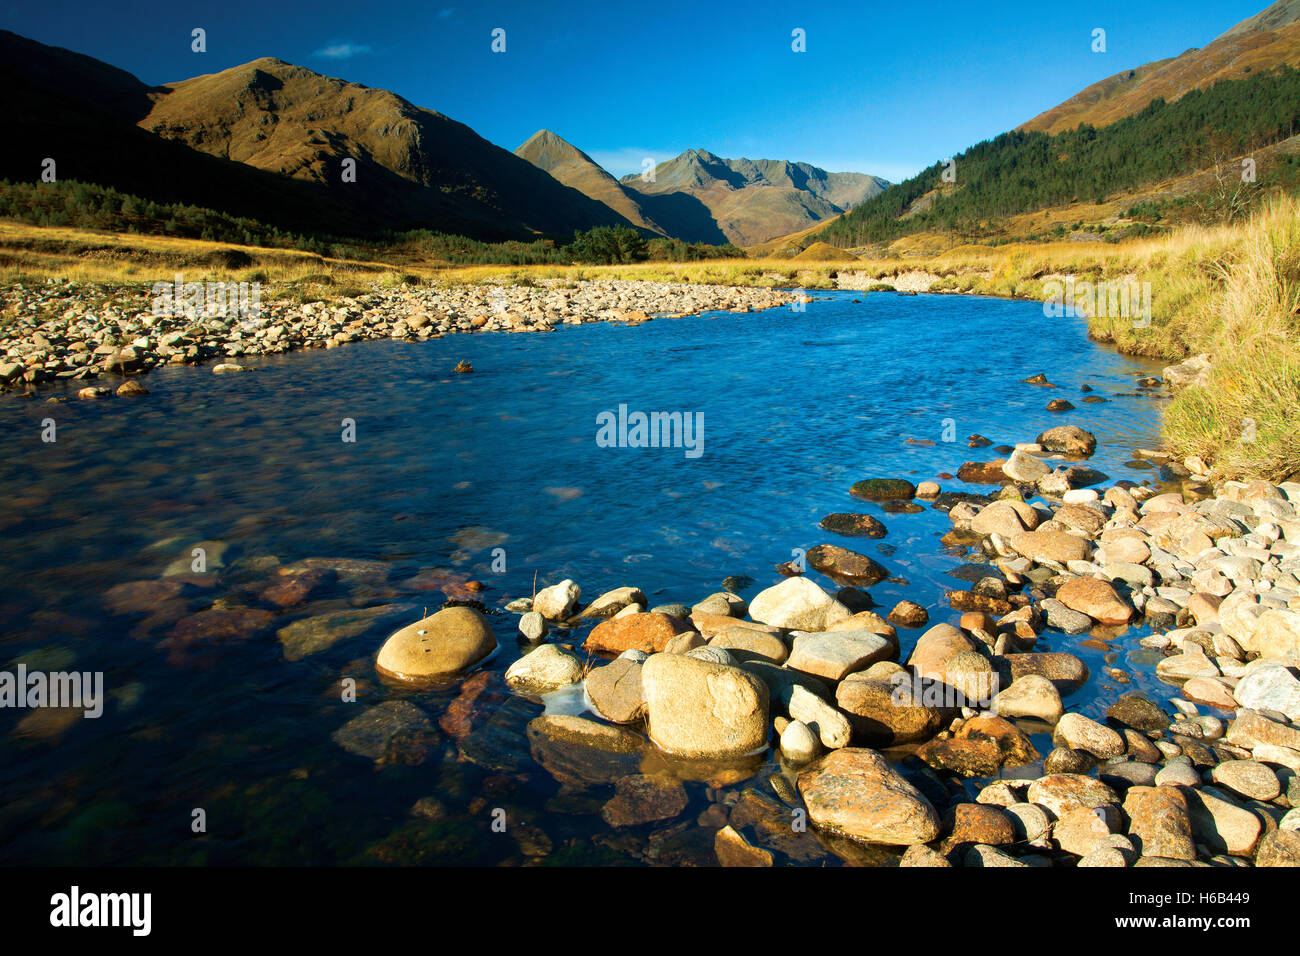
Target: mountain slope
266 141
574 168
414 166
1268 39
752 201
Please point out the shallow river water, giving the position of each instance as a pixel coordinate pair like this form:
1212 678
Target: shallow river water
449 478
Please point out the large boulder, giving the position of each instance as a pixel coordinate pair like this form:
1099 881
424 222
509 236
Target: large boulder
1270 687
797 603
1022 466
615 690
857 792
700 709
894 711
647 631
442 644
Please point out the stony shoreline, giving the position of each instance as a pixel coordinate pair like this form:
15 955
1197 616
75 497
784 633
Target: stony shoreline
874 751
58 333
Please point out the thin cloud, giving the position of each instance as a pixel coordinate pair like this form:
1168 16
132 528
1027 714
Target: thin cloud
446 12
342 51
622 162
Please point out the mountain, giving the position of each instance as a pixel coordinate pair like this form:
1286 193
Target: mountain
266 140
746 201
574 168
1267 40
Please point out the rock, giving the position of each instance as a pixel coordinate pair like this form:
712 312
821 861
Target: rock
1270 688
883 713
1095 598
545 669
853 525
369 733
1056 546
844 566
1069 440
556 602
1022 466
699 709
1160 822
1030 696
1065 760
831 726
1082 518
1138 712
1178 775
980 856
1191 663
646 631
444 643
883 489
532 626
966 758
1252 780
1001 517
1082 830
1062 618
1066 671
734 850
1281 848
968 823
1193 371
921 855
1103 856
857 792
744 642
312 635
722 603
583 752
832 655
797 603
935 648
639 799
1251 728
615 690
1222 826
1062 792
1209 690
1080 733
131 389
684 643
799 744
1277 634
1014 747
909 614
611 602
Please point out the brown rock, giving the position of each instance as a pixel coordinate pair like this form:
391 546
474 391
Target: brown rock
648 631
734 850
1095 598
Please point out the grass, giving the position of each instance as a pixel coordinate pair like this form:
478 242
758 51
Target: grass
1230 290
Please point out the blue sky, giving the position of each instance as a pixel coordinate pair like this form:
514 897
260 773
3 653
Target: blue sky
882 88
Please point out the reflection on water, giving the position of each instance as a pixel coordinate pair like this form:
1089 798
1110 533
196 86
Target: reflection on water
225 693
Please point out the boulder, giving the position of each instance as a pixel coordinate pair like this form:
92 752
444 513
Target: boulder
1095 598
646 631
832 655
700 709
857 792
844 566
445 643
556 602
545 669
797 603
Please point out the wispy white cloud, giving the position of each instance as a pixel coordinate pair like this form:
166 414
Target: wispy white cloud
446 12
342 51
